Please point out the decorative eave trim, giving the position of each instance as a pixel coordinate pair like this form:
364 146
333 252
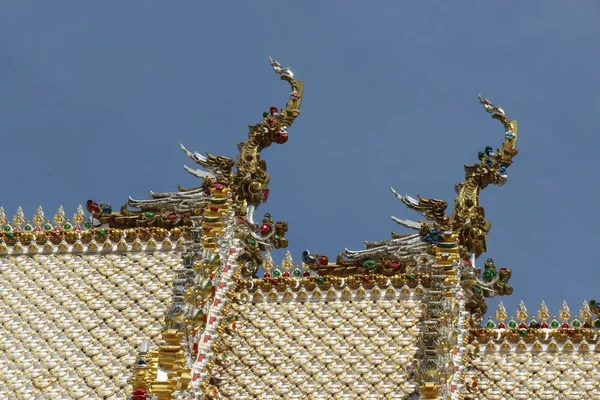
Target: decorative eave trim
93 241
530 335
92 247
537 346
418 282
305 290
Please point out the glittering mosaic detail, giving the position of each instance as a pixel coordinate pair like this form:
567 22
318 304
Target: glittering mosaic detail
468 217
543 326
455 338
218 320
69 325
535 355
417 282
348 343
246 176
224 243
198 299
466 228
395 320
78 236
535 371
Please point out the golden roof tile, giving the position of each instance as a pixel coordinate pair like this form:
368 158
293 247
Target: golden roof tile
70 324
346 345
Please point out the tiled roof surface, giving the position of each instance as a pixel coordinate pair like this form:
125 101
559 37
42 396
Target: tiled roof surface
298 345
70 325
543 374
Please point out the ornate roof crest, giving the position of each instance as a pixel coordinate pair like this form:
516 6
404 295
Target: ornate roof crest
468 216
246 176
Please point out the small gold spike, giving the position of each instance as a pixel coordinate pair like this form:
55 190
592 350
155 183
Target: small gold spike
39 218
166 244
273 294
543 312
287 264
137 244
63 247
360 292
78 246
522 313
346 292
48 247
59 217
565 313
19 218
375 292
491 346
419 290
568 346
302 293
122 245
287 294
93 245
405 291
17 248
152 243
79 216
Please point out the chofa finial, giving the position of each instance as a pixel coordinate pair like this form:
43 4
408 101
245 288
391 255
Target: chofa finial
468 217
246 176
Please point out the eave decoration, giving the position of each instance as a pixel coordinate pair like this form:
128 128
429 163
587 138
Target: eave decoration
460 236
246 176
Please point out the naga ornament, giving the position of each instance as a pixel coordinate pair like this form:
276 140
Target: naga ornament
245 176
468 216
455 240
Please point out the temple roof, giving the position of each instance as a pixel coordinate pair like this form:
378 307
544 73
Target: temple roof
70 324
399 319
563 372
541 356
318 343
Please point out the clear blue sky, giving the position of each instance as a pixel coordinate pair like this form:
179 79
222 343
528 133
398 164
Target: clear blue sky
95 98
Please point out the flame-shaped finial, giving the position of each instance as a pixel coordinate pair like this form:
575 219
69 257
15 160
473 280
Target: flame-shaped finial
543 313
268 263
585 314
39 218
501 314
79 216
565 313
59 217
287 264
19 218
522 313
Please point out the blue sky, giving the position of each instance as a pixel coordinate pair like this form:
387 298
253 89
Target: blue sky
95 98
